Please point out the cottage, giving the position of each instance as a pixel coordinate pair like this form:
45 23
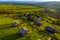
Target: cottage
25 14
50 29
28 15
14 24
37 23
22 31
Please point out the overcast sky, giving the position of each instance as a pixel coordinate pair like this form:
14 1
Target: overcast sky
30 0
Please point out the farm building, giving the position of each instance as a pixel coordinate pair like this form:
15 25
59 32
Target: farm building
15 24
37 23
50 29
25 14
23 31
28 15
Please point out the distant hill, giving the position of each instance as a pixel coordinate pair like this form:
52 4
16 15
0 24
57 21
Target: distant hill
54 5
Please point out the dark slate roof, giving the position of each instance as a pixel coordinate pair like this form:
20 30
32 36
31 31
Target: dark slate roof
22 31
28 15
15 24
51 29
25 14
37 23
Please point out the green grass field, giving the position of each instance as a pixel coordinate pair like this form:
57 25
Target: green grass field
20 8
10 33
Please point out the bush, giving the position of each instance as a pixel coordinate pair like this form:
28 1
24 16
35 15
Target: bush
56 22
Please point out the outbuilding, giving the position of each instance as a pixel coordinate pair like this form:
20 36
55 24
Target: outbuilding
37 23
28 15
22 31
50 29
14 24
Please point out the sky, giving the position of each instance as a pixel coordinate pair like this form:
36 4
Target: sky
30 0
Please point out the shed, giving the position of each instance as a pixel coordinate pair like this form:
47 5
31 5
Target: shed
22 31
28 15
25 14
50 29
15 24
37 23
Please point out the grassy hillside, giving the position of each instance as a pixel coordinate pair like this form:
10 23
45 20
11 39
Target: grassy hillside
10 33
19 8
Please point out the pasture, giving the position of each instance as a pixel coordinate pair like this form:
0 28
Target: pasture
10 33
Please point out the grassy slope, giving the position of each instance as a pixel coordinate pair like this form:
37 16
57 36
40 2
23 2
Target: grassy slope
9 33
19 8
